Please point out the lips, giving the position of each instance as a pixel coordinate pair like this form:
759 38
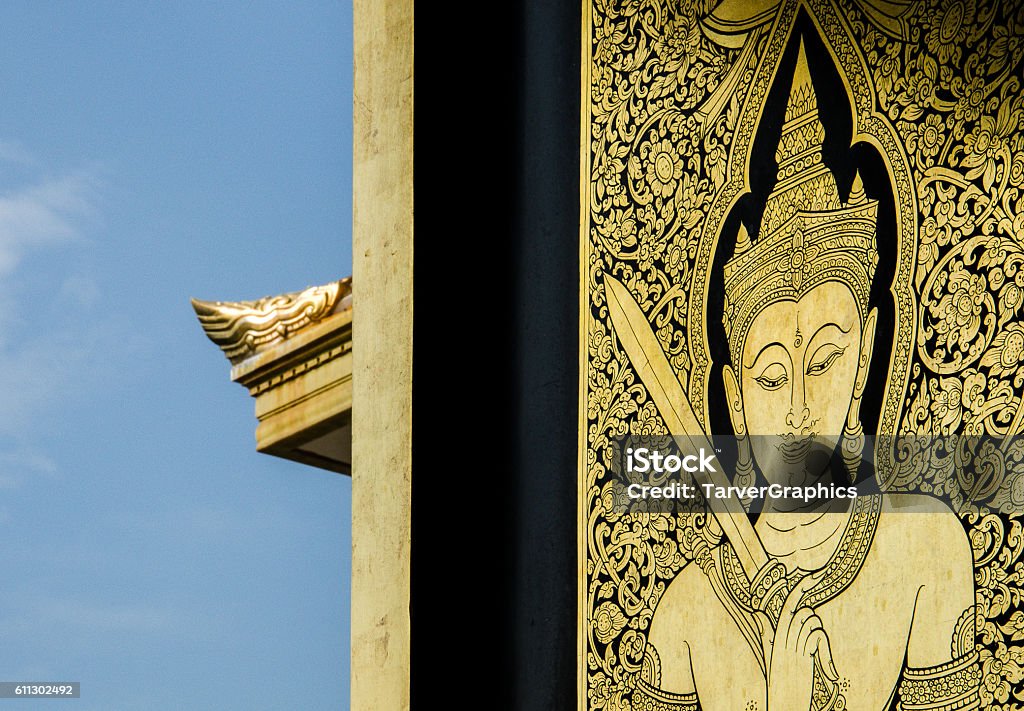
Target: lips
794 449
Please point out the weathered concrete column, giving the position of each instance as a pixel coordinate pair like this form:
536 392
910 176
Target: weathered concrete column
382 238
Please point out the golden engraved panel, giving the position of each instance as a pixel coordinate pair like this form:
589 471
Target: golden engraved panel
674 99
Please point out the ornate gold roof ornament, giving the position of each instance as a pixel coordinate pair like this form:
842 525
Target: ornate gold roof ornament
243 328
807 235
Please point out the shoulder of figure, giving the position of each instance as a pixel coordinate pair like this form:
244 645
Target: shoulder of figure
674 625
673 615
931 544
925 528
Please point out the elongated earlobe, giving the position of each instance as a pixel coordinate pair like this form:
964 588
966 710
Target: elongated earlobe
867 344
744 475
853 430
732 396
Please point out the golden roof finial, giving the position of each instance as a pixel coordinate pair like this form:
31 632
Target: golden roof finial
243 328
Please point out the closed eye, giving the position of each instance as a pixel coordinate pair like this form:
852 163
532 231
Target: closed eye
823 358
773 377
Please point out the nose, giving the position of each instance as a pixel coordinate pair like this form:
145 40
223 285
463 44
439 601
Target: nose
797 421
798 413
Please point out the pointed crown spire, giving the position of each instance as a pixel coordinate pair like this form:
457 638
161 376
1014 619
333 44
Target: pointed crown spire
807 235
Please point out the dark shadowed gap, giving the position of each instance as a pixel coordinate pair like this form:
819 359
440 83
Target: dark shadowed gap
495 366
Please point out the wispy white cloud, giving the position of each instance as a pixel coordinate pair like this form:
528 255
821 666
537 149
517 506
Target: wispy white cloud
36 372
16 465
44 214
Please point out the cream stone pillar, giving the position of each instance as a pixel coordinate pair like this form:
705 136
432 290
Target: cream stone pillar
382 352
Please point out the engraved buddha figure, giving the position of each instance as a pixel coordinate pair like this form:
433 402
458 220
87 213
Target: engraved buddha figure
880 601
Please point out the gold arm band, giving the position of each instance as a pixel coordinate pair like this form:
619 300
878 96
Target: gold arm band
952 686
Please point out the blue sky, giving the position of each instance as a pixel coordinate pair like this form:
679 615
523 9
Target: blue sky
150 152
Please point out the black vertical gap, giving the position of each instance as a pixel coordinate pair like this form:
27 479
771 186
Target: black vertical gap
547 321
495 355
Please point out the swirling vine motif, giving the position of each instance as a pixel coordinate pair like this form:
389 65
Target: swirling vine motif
944 83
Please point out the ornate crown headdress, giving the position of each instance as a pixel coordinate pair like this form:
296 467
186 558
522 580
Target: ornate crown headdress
807 236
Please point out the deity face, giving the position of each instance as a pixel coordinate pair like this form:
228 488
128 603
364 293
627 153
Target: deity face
803 363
